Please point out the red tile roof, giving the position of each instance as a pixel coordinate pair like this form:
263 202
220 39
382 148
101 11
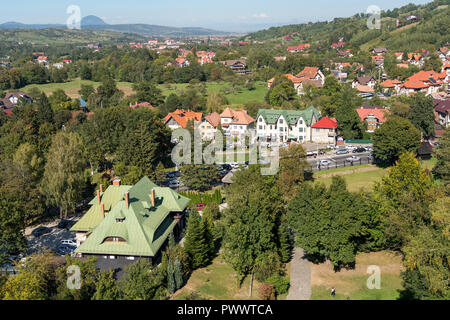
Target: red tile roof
182 117
308 73
326 123
213 119
239 116
379 113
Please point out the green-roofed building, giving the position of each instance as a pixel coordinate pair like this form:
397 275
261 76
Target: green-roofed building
286 125
130 222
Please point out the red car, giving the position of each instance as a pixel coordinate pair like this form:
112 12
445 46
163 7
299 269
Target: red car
200 206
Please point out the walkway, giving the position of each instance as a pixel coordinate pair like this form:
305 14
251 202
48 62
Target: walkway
300 277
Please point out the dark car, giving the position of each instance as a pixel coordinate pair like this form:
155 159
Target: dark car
65 224
359 150
40 231
65 249
226 167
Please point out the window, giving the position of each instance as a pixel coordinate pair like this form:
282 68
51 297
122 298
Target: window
281 121
271 127
260 127
260 120
301 121
300 138
301 130
281 129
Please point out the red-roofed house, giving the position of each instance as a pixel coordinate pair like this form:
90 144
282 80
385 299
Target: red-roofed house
42 59
236 122
180 119
373 116
391 85
208 126
324 131
424 81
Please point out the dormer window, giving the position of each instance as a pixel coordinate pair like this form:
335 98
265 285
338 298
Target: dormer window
120 220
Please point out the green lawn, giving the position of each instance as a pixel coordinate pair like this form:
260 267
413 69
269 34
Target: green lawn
217 282
389 290
363 178
72 87
236 98
353 282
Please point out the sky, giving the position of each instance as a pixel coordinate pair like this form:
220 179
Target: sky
221 15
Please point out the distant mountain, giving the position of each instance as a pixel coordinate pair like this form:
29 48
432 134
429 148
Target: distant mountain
92 21
146 30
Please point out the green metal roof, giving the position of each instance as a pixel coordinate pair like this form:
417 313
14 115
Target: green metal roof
291 116
93 217
143 227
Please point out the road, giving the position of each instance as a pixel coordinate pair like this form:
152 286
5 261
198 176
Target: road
339 161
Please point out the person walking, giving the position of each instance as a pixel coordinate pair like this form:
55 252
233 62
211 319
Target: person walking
333 292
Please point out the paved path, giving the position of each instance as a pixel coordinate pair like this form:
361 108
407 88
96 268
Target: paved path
300 277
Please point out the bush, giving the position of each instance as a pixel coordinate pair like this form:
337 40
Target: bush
281 284
266 292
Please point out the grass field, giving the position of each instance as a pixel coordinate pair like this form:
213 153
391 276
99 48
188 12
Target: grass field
358 178
71 88
353 283
361 177
236 98
217 282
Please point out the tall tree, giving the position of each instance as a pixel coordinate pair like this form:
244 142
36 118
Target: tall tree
44 110
442 169
106 287
404 196
422 114
395 137
63 179
197 243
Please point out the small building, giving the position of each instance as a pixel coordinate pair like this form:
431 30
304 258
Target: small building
181 118
425 151
324 131
364 81
372 115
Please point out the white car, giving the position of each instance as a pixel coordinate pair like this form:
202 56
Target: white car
69 243
325 162
351 147
353 158
174 184
234 165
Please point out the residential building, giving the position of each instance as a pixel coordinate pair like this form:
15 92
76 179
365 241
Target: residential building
364 81
181 118
372 115
379 51
208 126
324 131
442 109
236 122
311 73
286 125
12 99
428 82
391 85
238 66
130 222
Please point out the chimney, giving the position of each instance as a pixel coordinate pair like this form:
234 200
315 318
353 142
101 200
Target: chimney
98 196
153 197
127 199
101 188
102 208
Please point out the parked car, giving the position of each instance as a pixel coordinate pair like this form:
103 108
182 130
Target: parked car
359 150
234 165
174 184
325 162
353 158
332 147
40 231
65 224
200 206
342 151
226 167
350 147
65 249
69 243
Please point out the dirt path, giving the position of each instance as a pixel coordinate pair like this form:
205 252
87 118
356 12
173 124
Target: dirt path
300 277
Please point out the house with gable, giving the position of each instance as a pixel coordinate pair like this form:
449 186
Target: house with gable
236 122
372 115
181 118
324 131
286 125
130 222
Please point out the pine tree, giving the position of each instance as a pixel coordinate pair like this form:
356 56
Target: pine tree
178 274
286 243
195 244
170 279
44 110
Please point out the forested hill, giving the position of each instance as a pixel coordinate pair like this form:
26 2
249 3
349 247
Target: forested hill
431 30
64 36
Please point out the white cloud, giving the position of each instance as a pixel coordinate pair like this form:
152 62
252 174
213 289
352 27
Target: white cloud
261 15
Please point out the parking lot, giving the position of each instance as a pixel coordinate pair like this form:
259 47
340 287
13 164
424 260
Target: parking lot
51 240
